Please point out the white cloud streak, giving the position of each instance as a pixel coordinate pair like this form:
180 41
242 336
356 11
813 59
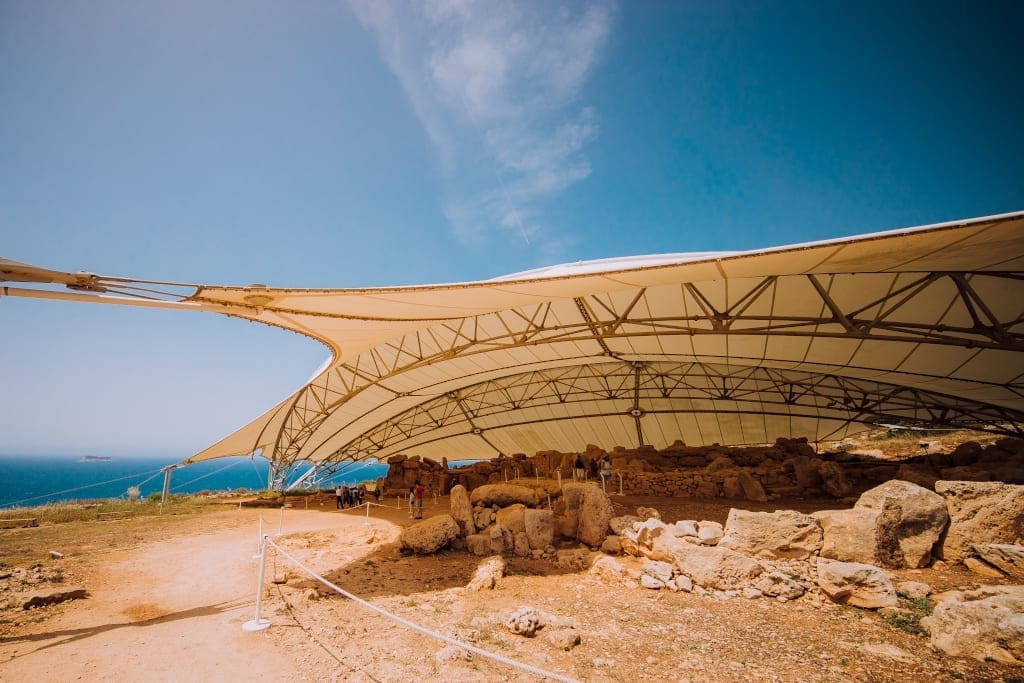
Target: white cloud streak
496 87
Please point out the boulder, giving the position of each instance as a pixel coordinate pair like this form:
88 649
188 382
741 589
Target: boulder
479 544
893 525
710 533
805 470
914 590
855 583
685 527
662 571
981 567
610 571
482 517
487 574
540 527
571 558
980 512
611 545
1007 558
462 510
651 583
562 638
911 521
775 584
984 624
713 567
848 535
430 535
784 534
834 479
525 621
503 495
618 524
511 518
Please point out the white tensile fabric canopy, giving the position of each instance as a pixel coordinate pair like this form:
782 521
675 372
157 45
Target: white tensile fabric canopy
921 326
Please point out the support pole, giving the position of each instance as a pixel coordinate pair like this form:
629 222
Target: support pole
167 484
256 623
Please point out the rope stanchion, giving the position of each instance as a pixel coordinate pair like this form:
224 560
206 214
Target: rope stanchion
405 622
257 623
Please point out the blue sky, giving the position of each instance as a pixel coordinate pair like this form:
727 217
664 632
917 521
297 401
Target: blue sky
371 143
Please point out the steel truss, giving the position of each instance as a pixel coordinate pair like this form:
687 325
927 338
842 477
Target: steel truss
652 388
604 321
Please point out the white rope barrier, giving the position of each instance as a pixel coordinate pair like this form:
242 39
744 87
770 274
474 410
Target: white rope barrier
401 620
78 488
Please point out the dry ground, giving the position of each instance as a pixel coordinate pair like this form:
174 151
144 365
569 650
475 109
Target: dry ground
168 598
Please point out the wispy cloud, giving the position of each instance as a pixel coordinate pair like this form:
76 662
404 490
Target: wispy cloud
496 86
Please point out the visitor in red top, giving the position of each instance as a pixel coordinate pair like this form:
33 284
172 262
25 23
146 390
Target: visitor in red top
417 495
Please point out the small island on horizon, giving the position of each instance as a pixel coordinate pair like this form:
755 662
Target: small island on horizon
95 458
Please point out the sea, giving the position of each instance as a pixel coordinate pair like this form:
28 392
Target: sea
27 480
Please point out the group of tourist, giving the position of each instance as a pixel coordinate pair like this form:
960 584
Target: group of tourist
349 496
598 467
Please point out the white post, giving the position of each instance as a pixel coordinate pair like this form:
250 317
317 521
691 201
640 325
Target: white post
620 482
256 623
367 522
604 482
280 524
167 486
259 534
559 472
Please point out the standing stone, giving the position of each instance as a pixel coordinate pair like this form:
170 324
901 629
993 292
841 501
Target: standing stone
857 584
784 534
497 539
462 511
591 510
520 544
980 512
539 527
752 489
834 479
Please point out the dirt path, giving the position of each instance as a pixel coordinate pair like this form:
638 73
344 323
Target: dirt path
166 610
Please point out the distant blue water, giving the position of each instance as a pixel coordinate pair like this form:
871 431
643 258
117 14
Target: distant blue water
38 479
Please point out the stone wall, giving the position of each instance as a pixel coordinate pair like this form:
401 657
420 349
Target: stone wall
788 468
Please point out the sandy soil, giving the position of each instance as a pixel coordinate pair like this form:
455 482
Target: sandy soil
173 609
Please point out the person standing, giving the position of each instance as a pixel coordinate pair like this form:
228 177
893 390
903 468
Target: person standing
580 470
337 496
417 494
